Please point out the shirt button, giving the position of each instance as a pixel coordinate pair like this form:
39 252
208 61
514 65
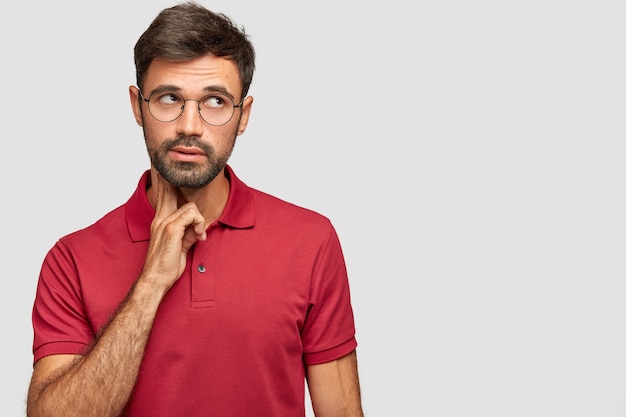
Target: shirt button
201 269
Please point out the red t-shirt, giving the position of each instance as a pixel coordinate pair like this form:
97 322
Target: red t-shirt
266 293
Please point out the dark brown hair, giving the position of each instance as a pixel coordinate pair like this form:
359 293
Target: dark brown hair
188 30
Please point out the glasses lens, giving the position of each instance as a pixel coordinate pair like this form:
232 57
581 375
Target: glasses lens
216 109
166 107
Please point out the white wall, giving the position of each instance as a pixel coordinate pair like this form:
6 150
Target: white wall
468 152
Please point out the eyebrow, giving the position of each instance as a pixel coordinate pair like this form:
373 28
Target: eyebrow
209 89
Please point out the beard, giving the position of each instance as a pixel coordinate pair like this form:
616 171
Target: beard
184 174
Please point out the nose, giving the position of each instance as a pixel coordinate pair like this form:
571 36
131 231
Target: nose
189 122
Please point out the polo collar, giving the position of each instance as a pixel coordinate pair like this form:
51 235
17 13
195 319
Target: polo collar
239 212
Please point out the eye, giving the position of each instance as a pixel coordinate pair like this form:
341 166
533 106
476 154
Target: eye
214 102
168 99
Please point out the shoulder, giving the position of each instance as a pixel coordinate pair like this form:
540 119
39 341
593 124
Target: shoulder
110 225
277 209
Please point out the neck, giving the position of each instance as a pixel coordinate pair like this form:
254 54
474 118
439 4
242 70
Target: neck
210 199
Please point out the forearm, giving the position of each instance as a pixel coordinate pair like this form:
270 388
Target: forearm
100 383
334 388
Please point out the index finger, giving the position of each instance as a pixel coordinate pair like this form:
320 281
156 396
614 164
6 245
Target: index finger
166 197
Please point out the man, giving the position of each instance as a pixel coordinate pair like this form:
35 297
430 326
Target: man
200 296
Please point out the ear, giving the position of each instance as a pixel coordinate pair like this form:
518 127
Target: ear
246 107
136 104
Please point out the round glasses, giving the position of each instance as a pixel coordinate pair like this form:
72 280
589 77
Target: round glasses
215 109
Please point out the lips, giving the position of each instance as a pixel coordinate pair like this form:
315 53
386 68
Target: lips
181 153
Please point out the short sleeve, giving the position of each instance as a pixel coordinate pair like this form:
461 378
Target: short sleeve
58 317
329 331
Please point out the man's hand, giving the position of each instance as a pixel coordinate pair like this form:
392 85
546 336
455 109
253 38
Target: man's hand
174 230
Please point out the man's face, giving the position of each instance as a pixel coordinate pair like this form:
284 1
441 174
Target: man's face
188 152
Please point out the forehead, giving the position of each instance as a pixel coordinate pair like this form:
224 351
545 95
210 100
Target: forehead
194 76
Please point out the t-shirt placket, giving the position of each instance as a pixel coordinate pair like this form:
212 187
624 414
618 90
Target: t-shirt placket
202 278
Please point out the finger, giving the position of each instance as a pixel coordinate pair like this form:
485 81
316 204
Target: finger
189 238
194 224
166 197
198 222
